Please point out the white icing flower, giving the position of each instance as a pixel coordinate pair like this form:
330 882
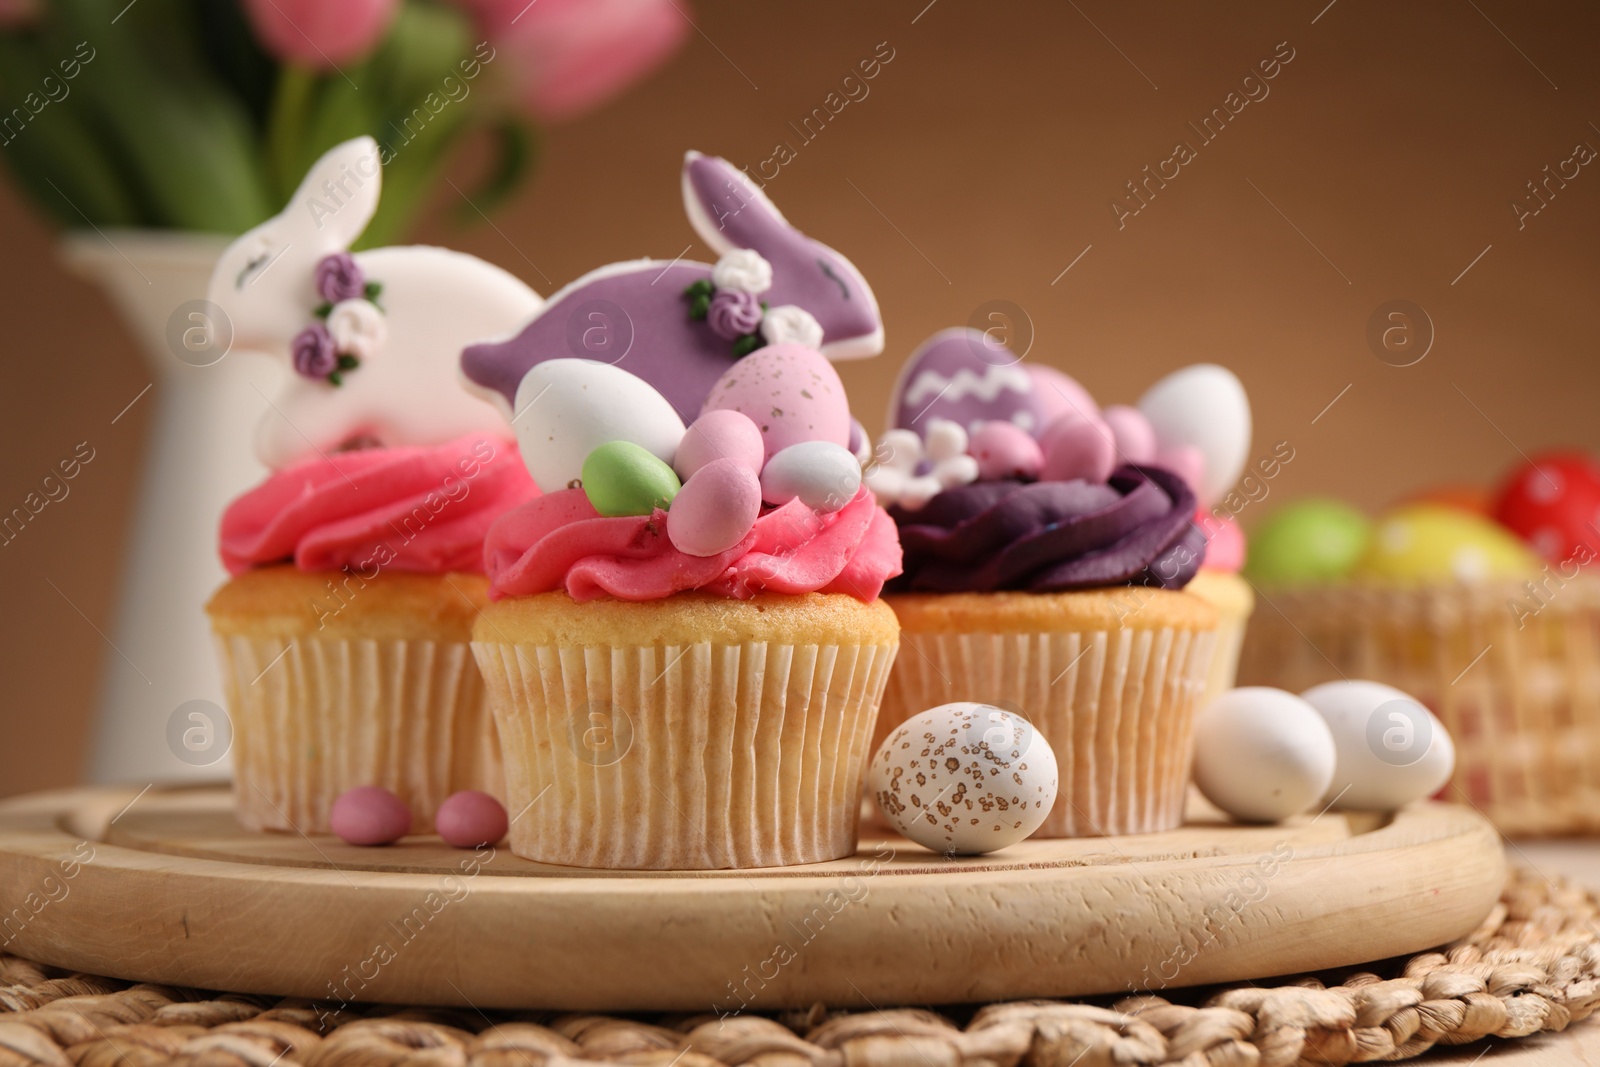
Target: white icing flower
358 328
743 269
791 324
893 477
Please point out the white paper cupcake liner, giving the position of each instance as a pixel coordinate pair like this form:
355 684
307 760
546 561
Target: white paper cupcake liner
1116 706
684 757
328 715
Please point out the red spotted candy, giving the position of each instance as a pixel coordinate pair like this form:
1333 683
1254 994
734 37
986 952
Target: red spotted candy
1553 503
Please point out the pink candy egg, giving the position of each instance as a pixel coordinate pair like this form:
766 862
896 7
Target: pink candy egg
720 434
1077 447
1005 450
1059 394
469 819
791 392
1186 462
1135 437
369 815
715 509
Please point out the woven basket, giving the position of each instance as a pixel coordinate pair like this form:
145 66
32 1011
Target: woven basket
1515 679
1532 967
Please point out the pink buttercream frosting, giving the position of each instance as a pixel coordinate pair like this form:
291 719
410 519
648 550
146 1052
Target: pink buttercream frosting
559 541
1225 549
418 509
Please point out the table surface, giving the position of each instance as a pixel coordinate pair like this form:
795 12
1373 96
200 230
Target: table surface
1579 1046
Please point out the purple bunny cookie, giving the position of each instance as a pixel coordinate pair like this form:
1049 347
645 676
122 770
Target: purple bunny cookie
669 322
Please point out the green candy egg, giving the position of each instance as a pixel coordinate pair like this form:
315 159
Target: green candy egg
1311 541
622 478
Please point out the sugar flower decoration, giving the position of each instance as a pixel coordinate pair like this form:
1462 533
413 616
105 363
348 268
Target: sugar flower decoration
943 461
791 324
743 269
357 328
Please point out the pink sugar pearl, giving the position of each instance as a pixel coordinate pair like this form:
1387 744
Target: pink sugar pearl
369 815
470 819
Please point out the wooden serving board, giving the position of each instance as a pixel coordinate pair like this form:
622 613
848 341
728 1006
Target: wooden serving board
164 887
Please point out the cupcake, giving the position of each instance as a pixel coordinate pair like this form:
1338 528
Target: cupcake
357 564
344 633
685 648
1480 603
1047 549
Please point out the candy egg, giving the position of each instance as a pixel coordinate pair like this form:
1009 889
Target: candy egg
1316 540
722 434
1058 394
1391 749
819 474
1427 543
1135 437
1262 754
791 392
1204 406
969 377
1470 498
1187 463
469 819
1003 450
621 478
715 509
369 815
964 778
1076 446
566 408
1553 504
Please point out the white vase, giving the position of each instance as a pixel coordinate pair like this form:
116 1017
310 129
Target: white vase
198 457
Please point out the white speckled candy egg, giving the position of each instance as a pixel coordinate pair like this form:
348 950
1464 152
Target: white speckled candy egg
566 408
791 392
820 474
964 778
1205 407
1262 754
1391 749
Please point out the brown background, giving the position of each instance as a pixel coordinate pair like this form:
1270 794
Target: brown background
979 166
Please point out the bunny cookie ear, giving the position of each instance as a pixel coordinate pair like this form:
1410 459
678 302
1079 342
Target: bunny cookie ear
730 212
339 194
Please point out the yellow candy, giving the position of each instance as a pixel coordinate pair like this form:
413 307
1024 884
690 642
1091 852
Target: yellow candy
1431 543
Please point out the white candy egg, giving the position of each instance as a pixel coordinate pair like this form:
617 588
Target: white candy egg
1205 407
964 778
1392 750
820 474
1262 754
566 408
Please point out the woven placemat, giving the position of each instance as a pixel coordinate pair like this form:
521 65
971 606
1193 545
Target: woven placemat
1533 966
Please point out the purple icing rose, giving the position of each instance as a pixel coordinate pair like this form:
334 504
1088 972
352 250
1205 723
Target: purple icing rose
339 278
733 313
315 355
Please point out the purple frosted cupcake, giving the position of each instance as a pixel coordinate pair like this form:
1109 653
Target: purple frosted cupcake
1045 575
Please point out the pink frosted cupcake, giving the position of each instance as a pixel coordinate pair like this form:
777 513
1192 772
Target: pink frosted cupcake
344 633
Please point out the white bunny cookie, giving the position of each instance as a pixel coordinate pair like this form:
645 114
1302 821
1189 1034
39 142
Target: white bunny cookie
374 336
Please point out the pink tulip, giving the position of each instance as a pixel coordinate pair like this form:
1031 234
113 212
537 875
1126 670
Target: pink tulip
569 56
15 14
319 34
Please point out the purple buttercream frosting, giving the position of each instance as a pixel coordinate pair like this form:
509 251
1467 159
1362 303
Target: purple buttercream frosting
1136 529
339 277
